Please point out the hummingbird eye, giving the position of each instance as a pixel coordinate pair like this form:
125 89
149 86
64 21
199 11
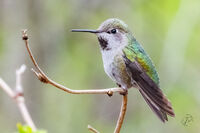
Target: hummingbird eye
113 31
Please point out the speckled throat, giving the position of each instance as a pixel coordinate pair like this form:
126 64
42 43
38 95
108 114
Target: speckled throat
103 43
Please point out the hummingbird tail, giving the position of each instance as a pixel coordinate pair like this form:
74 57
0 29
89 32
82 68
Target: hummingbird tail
159 112
155 98
151 92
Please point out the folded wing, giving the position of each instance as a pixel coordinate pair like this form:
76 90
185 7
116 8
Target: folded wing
151 92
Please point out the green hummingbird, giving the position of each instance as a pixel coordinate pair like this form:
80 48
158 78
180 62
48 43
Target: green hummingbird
127 64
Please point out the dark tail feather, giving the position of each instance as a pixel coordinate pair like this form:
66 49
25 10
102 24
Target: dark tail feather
151 92
155 95
161 114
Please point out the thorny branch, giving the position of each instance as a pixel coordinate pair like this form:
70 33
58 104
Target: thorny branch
109 91
18 96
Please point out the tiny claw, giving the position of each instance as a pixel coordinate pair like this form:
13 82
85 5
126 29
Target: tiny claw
125 92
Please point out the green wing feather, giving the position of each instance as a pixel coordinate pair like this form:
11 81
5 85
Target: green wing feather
134 51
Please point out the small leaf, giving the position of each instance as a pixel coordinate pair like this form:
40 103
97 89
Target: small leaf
27 129
24 129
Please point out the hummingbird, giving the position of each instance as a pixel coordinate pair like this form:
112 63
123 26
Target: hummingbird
128 65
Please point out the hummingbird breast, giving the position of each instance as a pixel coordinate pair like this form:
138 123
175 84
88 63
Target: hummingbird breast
115 68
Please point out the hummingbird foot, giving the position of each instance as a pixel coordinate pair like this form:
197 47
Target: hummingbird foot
125 92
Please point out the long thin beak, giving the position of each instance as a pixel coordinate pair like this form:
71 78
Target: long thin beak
86 30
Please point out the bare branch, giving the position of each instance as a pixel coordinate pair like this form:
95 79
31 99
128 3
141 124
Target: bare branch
43 78
24 112
19 72
92 129
18 97
6 88
122 114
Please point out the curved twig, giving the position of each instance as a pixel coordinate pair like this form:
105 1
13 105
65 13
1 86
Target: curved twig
43 78
109 91
122 114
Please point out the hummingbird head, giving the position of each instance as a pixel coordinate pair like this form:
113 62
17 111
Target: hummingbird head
112 34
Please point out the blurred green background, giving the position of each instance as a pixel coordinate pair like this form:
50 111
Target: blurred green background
169 30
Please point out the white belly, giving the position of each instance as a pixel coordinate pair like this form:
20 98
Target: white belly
108 62
114 67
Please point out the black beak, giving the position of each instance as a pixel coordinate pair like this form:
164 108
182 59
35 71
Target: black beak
86 30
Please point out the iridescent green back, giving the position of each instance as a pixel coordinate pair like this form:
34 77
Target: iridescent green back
135 52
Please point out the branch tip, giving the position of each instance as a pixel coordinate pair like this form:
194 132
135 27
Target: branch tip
24 35
21 69
33 70
36 73
92 129
19 72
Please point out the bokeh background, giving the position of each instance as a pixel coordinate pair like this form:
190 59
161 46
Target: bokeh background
169 30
